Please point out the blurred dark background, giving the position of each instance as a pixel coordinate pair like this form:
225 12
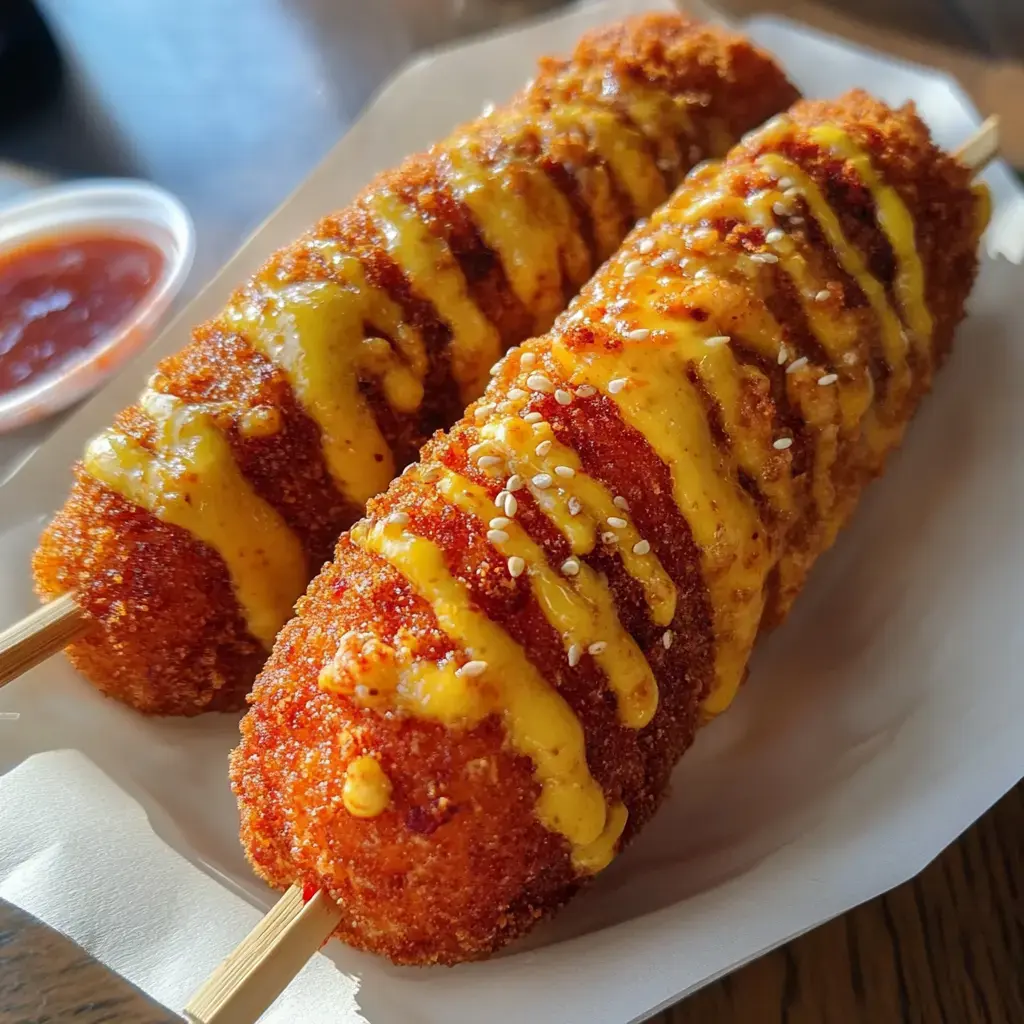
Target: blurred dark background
229 103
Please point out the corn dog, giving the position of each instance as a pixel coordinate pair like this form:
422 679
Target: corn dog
199 517
482 698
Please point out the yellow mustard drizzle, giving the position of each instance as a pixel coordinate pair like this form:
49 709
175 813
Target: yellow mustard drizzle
661 403
367 789
190 479
434 273
596 856
519 441
523 218
538 722
854 264
581 609
623 149
314 333
896 222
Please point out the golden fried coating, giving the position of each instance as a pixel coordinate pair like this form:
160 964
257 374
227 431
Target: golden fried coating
710 407
591 145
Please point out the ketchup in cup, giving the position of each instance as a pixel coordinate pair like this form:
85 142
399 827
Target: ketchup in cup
87 272
60 296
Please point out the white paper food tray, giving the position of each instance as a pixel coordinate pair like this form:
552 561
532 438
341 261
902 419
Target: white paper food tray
877 725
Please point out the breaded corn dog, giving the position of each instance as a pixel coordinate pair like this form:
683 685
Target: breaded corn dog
198 519
483 696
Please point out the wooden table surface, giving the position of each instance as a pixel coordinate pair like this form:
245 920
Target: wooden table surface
947 947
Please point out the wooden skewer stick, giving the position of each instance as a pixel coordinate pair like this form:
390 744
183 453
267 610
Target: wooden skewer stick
982 147
46 631
259 970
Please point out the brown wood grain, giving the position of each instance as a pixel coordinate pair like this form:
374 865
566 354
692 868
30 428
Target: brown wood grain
46 978
945 948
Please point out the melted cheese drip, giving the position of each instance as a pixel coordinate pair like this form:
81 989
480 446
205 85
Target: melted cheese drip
538 722
434 273
367 789
314 332
582 609
519 441
190 479
527 221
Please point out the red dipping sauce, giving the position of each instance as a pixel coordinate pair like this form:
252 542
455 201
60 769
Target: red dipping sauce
61 295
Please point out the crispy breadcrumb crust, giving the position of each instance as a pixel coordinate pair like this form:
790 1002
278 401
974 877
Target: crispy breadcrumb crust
172 638
459 865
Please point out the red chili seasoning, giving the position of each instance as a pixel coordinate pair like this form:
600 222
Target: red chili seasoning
60 296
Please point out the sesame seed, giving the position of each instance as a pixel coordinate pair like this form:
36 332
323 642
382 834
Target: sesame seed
765 257
504 407
824 295
617 522
511 505
498 523
515 482
527 360
538 382
532 417
472 668
516 566
666 639
574 654
516 393
642 547
586 391
397 519
775 235
797 364
642 223
598 647
495 368
718 339
575 506
483 411
640 334
828 378
543 448
571 567
779 209
497 536
615 386
796 220
783 443
488 461
632 268
791 191
620 502
646 245
609 538
474 448
785 183
783 355
542 481
430 473
563 397
565 471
